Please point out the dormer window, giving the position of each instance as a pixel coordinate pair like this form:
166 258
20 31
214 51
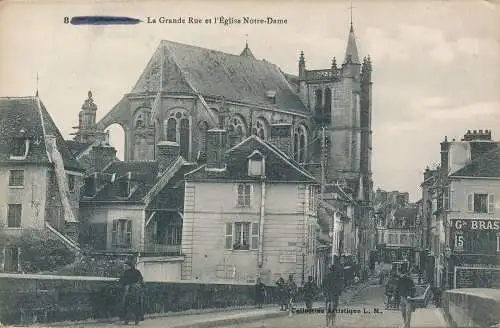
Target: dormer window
256 164
271 95
19 148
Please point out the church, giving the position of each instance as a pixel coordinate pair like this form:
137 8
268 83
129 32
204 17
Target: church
319 119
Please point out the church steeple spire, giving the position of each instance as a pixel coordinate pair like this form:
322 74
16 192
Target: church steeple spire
351 52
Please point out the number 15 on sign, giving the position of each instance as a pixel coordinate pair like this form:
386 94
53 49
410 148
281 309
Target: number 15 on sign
459 242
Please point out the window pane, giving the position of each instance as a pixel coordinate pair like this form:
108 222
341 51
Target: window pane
480 203
171 132
246 236
237 237
229 229
16 178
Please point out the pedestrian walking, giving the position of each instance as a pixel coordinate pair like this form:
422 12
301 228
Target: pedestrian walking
132 283
406 290
333 285
260 293
291 288
309 292
282 297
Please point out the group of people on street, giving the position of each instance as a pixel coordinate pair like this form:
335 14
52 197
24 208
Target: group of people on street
287 292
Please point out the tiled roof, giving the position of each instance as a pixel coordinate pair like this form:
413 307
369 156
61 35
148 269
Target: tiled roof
485 166
214 73
406 212
279 167
76 148
143 177
30 114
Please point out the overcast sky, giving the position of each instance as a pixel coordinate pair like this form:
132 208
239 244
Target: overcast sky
436 64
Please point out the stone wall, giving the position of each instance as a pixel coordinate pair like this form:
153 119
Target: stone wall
472 307
66 298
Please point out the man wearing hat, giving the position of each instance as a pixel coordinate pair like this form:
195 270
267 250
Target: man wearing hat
406 290
132 282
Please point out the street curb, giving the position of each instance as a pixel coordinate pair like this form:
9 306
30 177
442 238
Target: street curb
231 321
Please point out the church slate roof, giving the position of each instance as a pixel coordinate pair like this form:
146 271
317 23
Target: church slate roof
213 73
484 166
30 114
278 166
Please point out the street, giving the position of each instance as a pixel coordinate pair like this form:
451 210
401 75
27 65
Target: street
368 306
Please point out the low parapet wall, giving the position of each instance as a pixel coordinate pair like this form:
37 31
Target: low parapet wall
472 307
72 298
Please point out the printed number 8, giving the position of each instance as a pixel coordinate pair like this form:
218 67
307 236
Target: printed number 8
66 20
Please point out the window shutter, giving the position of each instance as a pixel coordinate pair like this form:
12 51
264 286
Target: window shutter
255 236
229 236
129 233
470 202
491 203
114 233
248 193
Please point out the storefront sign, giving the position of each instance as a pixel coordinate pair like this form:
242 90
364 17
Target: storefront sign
475 236
476 224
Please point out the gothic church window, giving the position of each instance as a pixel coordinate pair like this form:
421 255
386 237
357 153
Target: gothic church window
178 128
184 138
237 130
300 144
318 106
328 106
203 128
171 129
260 129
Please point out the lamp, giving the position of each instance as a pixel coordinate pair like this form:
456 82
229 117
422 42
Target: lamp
447 252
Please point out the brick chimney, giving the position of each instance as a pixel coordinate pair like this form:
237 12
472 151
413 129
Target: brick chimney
216 149
281 136
480 142
102 155
167 152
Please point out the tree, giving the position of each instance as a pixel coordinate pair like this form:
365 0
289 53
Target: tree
41 251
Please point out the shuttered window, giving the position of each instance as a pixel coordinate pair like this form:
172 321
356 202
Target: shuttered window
122 233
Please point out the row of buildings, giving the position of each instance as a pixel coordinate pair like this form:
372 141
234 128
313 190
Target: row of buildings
461 226
232 169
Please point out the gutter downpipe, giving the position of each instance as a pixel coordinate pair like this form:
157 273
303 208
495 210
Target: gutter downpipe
261 223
